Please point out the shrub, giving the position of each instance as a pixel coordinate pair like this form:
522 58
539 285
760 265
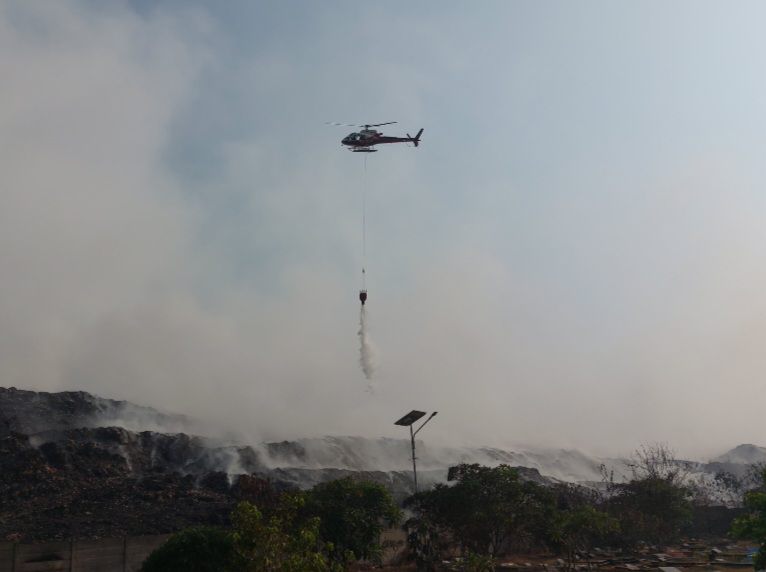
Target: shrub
198 549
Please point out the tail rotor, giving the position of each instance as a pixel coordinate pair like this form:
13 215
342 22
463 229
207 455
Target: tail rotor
415 140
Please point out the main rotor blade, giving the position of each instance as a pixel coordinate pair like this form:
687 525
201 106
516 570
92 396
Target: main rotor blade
365 125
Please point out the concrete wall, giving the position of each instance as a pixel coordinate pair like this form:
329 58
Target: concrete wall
119 554
106 555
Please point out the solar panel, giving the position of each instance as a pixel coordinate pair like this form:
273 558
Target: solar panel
410 418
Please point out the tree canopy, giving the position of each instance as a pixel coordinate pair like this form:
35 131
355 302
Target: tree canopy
656 503
351 515
320 530
487 508
753 525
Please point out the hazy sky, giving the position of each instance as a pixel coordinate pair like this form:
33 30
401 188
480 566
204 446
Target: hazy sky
575 256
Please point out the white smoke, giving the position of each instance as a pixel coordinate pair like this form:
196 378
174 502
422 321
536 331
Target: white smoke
367 352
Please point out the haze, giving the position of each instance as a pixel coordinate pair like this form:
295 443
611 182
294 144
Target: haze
573 257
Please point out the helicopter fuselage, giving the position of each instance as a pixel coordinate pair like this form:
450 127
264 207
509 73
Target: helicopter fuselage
362 141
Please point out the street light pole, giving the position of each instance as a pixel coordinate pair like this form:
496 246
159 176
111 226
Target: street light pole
414 467
408 421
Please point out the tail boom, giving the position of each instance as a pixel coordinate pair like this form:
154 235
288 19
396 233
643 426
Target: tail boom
416 139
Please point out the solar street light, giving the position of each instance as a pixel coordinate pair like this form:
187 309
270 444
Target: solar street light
407 421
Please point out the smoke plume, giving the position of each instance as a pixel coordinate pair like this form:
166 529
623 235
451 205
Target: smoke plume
366 347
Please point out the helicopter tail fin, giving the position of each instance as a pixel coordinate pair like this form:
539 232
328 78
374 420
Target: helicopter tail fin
416 139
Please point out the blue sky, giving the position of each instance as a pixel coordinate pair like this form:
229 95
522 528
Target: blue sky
572 257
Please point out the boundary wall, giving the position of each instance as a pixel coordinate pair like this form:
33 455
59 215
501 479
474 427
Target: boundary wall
106 555
118 554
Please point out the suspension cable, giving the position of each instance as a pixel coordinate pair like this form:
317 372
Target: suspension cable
364 225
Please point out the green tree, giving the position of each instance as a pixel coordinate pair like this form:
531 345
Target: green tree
281 541
199 549
576 529
655 504
426 543
752 526
487 508
351 515
651 509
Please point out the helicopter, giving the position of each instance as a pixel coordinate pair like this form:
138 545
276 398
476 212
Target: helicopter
362 141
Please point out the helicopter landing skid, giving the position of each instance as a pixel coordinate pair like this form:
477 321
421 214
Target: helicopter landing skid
364 150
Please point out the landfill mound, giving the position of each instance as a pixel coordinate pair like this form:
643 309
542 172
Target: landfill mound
75 465
64 476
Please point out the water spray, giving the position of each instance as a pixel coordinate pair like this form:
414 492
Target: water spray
366 347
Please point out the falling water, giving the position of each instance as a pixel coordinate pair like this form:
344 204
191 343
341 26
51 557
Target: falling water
366 347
